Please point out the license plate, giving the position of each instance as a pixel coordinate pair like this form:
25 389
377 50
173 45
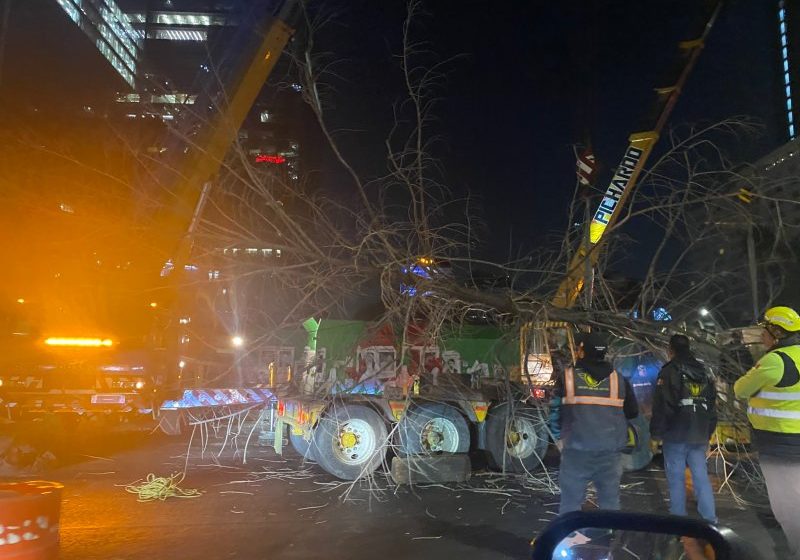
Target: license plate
108 399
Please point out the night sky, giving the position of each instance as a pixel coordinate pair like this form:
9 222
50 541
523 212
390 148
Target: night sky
533 78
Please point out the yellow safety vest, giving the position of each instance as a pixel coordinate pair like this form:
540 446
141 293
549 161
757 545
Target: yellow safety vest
777 409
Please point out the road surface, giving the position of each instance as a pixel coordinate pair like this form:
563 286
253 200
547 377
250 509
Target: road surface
278 508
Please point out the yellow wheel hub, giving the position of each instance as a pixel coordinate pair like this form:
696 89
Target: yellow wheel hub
513 438
347 440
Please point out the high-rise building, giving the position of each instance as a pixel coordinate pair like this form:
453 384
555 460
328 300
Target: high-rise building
787 23
114 112
108 28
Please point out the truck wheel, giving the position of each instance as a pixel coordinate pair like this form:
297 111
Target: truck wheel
641 455
350 441
432 429
516 444
301 446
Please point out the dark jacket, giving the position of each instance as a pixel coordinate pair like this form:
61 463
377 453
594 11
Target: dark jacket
684 404
579 425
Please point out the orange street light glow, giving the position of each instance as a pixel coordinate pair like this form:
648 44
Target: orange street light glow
85 342
21 300
153 304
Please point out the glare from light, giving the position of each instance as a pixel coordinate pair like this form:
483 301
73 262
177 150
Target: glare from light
704 312
153 304
21 300
139 385
181 364
237 341
82 342
1 382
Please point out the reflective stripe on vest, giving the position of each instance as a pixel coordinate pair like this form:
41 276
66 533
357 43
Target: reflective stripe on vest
612 400
772 413
772 396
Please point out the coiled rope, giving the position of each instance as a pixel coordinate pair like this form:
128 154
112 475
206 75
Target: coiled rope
161 488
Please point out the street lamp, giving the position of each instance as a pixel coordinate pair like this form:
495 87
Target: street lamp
704 312
237 341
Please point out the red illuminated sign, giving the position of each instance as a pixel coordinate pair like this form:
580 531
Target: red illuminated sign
264 158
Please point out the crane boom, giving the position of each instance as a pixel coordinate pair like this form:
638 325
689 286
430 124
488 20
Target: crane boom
206 158
640 145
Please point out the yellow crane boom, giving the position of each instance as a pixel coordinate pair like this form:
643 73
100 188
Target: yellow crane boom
640 145
205 159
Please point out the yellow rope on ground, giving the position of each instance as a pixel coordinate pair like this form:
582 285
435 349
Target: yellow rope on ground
161 488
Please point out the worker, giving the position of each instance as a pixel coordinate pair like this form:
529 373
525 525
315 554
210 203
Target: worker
588 420
684 418
773 389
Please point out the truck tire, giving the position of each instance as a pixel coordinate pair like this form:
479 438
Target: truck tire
433 429
516 444
350 441
301 446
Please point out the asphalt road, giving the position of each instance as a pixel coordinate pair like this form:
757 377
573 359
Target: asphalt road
278 508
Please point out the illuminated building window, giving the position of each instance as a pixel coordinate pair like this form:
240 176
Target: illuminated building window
265 116
174 99
196 19
71 10
180 35
128 98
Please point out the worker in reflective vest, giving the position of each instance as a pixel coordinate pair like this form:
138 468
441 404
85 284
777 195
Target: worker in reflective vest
588 419
772 388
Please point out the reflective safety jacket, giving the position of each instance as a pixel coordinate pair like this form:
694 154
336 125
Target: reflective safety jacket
592 409
772 388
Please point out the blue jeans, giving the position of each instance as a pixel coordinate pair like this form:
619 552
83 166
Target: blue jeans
578 468
676 458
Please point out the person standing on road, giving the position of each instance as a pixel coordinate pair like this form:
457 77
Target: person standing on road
588 418
684 418
772 388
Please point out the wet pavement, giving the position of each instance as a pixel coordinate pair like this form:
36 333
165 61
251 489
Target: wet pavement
278 508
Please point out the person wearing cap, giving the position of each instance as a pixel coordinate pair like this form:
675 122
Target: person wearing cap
684 418
589 416
772 388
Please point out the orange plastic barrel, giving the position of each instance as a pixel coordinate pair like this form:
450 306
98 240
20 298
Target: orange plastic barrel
29 518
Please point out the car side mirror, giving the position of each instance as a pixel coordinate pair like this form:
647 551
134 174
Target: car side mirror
616 535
